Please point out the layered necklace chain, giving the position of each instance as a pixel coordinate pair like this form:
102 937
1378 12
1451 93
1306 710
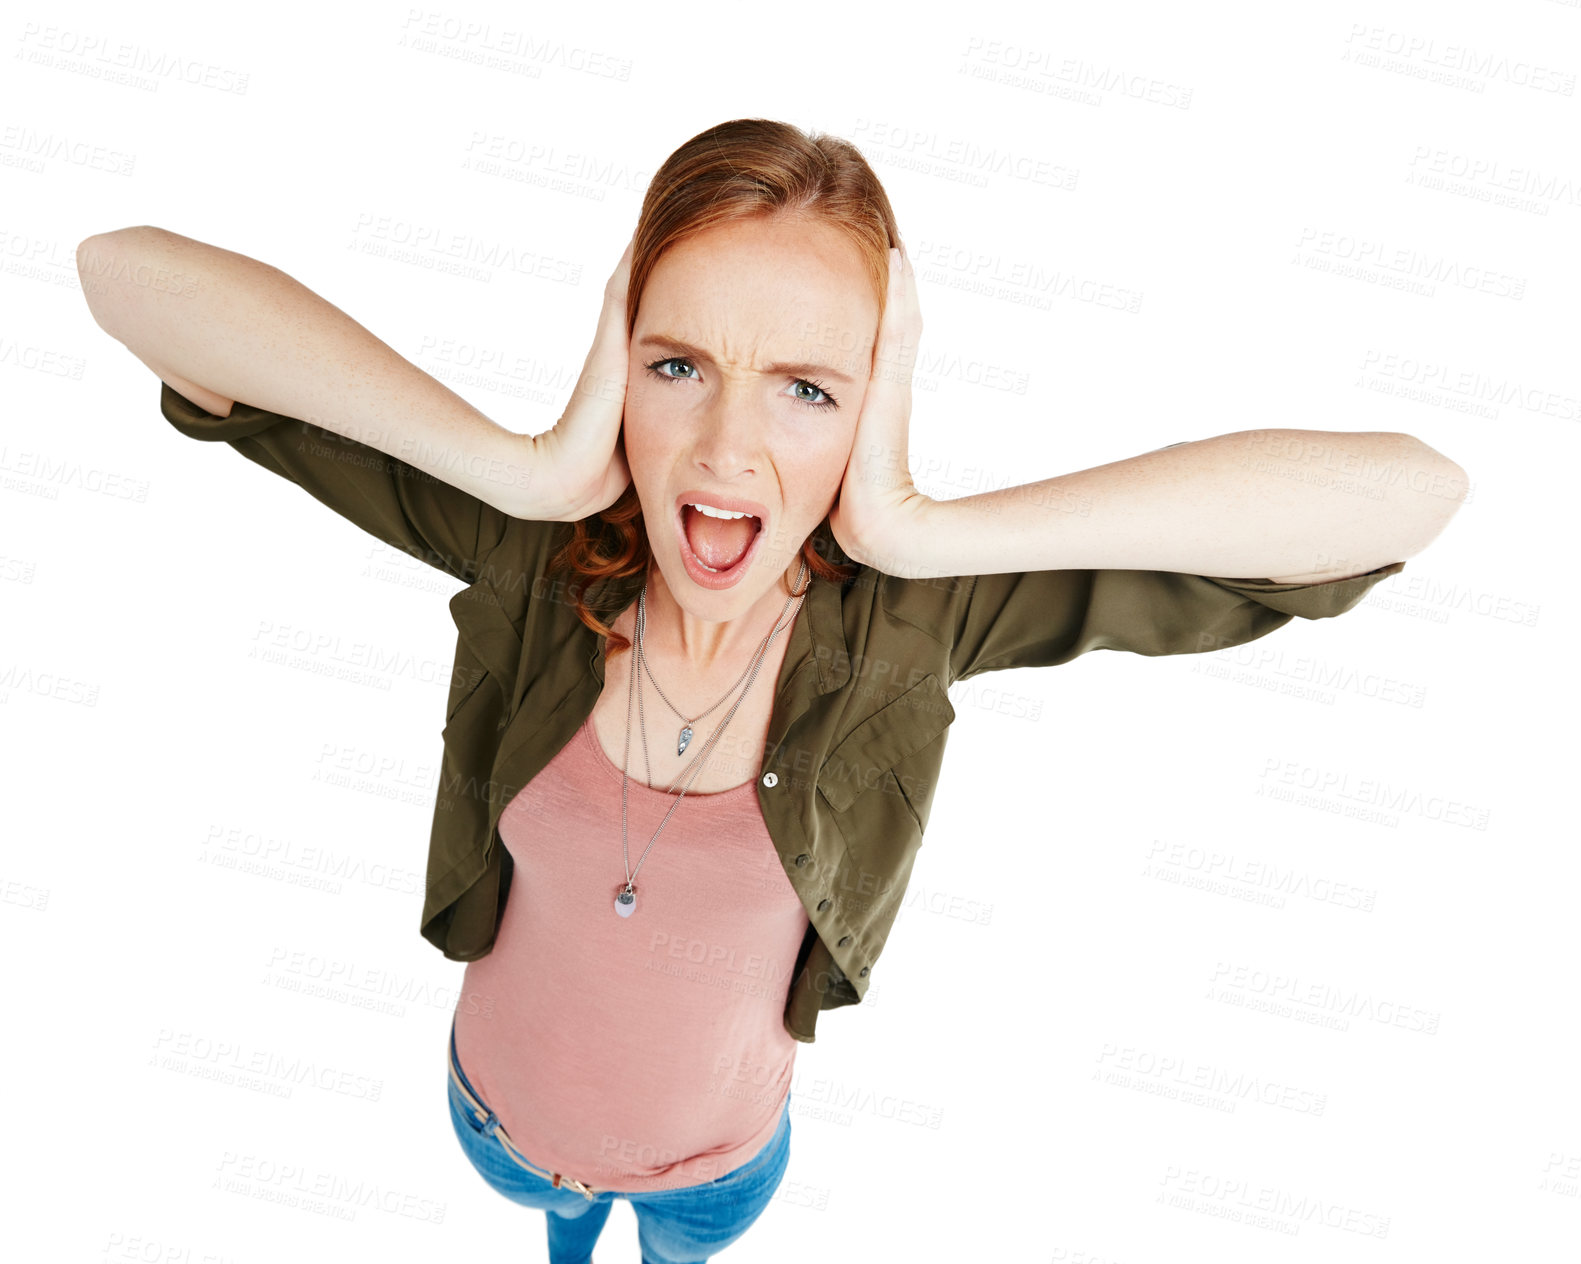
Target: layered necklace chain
684 738
626 893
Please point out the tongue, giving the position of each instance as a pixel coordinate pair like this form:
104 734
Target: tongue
718 542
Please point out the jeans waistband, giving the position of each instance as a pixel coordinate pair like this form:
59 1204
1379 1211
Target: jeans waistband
491 1127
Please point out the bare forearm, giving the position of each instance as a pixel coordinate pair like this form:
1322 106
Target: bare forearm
219 327
1295 505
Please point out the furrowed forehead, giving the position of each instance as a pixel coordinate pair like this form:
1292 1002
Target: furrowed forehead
827 367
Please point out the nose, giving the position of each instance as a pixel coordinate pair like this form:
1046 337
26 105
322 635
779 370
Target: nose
729 437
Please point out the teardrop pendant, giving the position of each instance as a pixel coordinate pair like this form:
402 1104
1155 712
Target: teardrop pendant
685 740
626 902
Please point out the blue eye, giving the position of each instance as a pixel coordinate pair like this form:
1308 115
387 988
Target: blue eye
828 400
653 368
832 402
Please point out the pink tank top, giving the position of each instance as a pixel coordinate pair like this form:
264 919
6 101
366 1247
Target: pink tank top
638 1053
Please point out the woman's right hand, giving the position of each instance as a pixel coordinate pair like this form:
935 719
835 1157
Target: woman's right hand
580 463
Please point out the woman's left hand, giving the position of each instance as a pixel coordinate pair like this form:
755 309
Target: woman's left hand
877 497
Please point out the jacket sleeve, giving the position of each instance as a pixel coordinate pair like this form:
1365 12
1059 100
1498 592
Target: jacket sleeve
1043 618
401 505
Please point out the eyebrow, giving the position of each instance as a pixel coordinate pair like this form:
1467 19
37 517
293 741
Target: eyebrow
800 370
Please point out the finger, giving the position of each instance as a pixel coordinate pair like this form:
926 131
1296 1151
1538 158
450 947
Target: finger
620 278
898 332
886 408
601 388
911 312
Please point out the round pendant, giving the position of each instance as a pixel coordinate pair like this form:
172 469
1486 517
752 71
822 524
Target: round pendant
625 903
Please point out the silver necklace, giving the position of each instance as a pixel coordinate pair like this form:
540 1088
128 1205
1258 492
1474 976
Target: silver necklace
626 893
684 738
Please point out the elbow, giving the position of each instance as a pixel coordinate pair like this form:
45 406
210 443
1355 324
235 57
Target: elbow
1447 480
1434 475
101 267
1431 459
101 244
95 266
111 244
120 235
1441 486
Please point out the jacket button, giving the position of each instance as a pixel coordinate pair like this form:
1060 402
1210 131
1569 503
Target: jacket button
802 859
844 940
822 904
771 779
862 973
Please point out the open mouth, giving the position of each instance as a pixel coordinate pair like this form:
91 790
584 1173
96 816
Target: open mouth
718 542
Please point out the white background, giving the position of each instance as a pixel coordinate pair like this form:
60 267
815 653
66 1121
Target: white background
1229 165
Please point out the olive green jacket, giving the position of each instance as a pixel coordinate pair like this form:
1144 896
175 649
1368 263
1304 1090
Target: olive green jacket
860 716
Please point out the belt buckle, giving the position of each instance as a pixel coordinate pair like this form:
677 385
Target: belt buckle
573 1183
559 1181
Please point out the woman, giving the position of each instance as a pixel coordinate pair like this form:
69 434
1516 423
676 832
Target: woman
704 647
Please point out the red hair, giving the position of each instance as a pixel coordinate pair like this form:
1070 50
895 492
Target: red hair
743 169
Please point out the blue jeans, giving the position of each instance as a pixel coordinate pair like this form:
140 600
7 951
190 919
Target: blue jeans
674 1226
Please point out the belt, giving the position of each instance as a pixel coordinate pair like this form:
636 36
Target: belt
491 1125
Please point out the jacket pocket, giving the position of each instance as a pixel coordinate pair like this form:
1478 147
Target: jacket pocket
878 785
875 789
464 681
873 755
488 648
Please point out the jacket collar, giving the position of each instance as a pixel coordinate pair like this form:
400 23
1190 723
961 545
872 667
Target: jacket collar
825 634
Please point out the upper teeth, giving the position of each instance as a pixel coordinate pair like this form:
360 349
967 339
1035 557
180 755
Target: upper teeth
719 513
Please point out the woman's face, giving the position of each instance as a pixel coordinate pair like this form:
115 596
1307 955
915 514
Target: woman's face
749 361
